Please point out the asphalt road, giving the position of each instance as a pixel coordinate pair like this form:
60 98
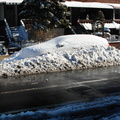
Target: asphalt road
35 91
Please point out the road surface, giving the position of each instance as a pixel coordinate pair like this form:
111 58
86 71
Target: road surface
37 91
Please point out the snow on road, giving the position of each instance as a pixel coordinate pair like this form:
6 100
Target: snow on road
61 54
99 109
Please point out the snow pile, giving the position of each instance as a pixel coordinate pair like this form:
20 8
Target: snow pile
99 109
61 54
68 43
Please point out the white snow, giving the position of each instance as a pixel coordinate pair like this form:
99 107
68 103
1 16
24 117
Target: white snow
68 42
70 111
113 25
11 1
116 6
87 4
87 26
62 53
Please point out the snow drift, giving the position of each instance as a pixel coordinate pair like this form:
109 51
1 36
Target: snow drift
61 54
100 108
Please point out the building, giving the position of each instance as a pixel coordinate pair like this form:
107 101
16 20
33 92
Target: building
84 12
9 11
11 29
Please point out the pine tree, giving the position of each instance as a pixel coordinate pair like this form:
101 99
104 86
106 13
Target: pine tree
46 14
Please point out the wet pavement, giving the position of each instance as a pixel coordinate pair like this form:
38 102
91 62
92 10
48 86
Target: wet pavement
35 91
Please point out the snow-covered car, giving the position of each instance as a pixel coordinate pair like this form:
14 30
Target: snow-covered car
61 43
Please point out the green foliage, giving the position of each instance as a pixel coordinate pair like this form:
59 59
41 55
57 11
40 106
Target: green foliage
46 14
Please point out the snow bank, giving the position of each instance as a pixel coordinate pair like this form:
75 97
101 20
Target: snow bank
61 54
70 111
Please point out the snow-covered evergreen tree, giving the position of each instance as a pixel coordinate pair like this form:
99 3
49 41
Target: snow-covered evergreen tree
46 14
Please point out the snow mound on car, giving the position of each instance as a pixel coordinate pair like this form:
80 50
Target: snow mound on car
66 42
